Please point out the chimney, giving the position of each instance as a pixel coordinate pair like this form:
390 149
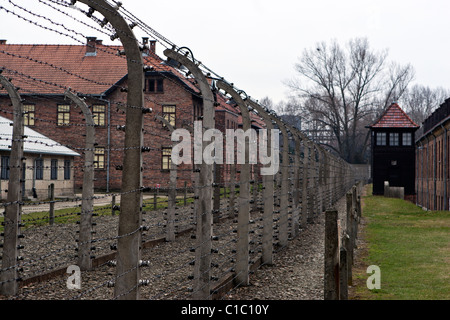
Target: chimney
145 46
91 50
149 46
153 46
2 41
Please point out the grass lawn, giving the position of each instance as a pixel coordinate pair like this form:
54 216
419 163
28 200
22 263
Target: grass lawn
412 248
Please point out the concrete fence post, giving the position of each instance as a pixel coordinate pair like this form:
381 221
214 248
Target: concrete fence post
305 178
311 183
350 233
284 196
331 276
113 205
155 199
171 204
51 196
204 215
296 187
87 202
172 192
355 214
243 247
216 192
232 199
9 274
130 219
268 193
254 189
185 193
343 273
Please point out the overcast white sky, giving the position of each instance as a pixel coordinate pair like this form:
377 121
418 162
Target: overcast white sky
255 43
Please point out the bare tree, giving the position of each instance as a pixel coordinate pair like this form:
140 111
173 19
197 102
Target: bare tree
343 88
420 101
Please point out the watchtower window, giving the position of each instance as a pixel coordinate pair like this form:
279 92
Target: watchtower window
407 139
394 139
381 138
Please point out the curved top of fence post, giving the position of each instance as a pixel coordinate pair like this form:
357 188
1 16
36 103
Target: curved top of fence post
262 112
205 88
83 106
246 123
126 35
12 91
18 119
280 124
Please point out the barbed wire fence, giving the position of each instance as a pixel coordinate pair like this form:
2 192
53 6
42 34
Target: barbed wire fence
171 242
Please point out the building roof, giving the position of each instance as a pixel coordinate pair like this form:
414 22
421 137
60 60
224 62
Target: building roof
394 117
51 69
34 141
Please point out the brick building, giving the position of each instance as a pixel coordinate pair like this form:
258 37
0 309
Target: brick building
432 158
99 74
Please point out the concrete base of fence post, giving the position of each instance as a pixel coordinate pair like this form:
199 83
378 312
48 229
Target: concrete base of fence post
331 276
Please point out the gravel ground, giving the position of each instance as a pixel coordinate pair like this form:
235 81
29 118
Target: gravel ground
297 272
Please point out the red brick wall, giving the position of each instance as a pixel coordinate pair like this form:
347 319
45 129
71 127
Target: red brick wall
155 136
433 170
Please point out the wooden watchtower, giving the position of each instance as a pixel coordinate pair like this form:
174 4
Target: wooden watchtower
393 151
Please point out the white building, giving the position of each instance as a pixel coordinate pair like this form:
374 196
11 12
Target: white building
46 162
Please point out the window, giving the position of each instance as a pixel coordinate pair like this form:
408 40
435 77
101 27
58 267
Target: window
54 169
154 85
99 158
159 85
39 169
407 139
63 115
381 138
28 114
5 168
166 158
98 112
66 169
394 139
168 113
